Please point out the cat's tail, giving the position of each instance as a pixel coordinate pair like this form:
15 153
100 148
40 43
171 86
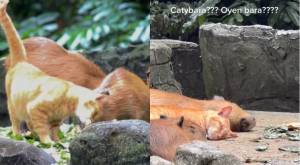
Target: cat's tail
15 44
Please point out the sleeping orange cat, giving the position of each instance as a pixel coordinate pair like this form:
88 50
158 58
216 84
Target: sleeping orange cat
40 100
216 123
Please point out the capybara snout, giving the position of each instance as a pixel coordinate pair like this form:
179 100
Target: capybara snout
247 123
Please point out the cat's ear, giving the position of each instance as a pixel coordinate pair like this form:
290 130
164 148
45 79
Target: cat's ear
180 122
225 112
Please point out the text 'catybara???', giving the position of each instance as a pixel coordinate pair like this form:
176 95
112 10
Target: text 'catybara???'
169 133
56 61
240 120
128 96
215 123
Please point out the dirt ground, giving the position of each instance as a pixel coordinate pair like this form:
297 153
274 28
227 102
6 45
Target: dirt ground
244 148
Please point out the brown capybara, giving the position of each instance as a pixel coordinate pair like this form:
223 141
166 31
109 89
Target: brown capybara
128 96
169 133
240 120
58 62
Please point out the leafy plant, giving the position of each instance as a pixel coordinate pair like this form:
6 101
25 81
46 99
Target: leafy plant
88 25
59 150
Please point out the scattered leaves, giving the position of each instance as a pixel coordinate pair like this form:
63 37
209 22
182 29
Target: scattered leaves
58 150
261 148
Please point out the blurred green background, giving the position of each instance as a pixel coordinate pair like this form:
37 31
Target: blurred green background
93 25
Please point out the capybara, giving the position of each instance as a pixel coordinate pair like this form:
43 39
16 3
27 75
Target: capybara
169 133
128 96
215 123
240 120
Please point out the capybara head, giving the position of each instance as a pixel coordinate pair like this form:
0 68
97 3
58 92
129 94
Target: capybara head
240 120
218 124
188 127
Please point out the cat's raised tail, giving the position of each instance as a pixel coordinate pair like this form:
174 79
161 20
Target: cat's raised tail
15 44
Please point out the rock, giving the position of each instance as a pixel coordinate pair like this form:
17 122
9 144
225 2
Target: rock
176 66
281 162
255 66
21 153
135 58
156 160
112 142
165 24
203 154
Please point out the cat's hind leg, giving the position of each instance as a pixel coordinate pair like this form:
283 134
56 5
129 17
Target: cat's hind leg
40 124
15 122
55 132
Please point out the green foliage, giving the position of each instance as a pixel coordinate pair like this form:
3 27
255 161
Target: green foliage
59 149
77 24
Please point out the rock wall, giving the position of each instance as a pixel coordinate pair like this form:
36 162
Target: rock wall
135 58
255 66
176 66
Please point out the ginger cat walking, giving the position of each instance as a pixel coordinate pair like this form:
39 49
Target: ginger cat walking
40 100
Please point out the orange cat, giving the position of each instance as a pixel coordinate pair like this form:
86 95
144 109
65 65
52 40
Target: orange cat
40 100
216 123
240 120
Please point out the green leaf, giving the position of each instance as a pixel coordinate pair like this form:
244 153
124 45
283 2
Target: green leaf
46 18
293 15
238 17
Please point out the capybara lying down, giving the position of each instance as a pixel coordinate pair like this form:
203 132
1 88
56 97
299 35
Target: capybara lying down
215 123
128 96
169 133
240 120
56 61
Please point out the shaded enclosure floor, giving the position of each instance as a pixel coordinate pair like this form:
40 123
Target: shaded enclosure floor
244 148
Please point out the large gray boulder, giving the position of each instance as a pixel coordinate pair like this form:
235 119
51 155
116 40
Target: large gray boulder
21 153
112 142
156 160
176 66
255 66
202 153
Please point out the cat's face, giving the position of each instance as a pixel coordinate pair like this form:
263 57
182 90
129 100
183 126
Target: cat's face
218 125
96 110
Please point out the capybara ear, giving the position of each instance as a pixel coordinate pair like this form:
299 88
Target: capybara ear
162 116
102 91
180 122
216 97
100 96
225 112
